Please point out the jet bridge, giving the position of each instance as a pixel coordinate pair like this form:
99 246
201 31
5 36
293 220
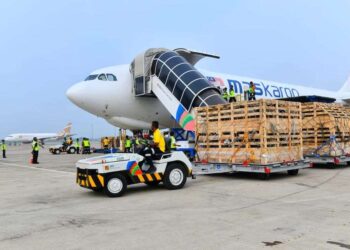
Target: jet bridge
170 76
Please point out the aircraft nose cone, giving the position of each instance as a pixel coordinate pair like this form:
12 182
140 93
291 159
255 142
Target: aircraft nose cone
73 94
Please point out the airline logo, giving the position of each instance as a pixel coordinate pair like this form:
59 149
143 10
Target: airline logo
261 88
216 81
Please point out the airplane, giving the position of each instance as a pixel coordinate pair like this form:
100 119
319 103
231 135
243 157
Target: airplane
112 92
42 137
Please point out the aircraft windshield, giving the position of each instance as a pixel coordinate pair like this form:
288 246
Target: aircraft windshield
91 77
102 77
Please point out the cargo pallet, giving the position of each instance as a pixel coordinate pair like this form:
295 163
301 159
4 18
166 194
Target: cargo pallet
331 161
292 168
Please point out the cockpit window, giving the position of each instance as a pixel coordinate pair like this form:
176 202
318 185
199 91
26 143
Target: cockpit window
102 77
91 77
111 77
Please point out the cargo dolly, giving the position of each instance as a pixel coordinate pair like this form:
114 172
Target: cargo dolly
331 161
292 168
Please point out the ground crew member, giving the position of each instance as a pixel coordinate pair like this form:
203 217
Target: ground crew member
251 91
105 143
86 146
35 150
172 141
158 148
127 145
77 146
231 95
69 141
224 94
3 148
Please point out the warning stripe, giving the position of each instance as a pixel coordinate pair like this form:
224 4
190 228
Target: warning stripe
157 177
92 181
141 178
101 179
149 177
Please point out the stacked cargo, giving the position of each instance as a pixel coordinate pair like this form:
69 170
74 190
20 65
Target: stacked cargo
326 129
254 132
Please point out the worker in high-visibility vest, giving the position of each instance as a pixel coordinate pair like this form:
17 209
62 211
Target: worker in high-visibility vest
105 143
86 146
77 146
231 95
35 150
251 91
225 94
172 141
127 145
3 148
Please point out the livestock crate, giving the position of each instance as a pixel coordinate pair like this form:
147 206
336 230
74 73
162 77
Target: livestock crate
250 132
326 129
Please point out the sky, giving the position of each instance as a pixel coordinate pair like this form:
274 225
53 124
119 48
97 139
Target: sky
47 46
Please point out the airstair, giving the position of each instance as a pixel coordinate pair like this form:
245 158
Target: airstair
170 76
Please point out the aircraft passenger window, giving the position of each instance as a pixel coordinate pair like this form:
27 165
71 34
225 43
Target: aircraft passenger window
91 77
111 77
102 77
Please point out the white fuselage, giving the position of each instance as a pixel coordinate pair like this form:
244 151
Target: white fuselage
114 100
28 137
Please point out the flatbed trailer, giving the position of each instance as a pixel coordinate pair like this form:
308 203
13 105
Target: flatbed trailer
332 161
292 168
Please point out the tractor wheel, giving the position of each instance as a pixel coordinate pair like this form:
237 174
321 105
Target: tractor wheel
115 186
175 176
71 150
57 151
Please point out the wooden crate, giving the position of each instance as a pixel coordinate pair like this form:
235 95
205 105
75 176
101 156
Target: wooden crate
326 129
259 132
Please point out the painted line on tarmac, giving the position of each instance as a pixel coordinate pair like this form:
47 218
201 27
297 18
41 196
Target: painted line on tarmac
36 168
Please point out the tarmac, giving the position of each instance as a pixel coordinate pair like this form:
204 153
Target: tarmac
42 208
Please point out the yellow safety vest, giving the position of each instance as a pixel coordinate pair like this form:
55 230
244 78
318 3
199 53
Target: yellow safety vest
172 142
232 93
86 143
251 90
225 95
35 146
77 144
128 143
3 147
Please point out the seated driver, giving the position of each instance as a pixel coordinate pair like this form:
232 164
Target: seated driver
158 147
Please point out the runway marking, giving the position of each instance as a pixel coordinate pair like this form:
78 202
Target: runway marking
36 168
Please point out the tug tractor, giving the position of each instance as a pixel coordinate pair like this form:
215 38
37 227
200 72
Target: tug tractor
58 149
112 173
